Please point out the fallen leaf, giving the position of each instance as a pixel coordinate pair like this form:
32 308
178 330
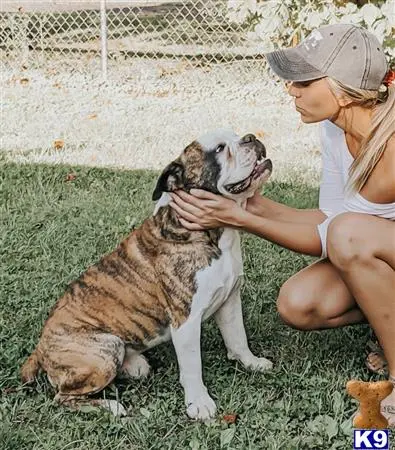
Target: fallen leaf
71 177
58 144
226 436
260 134
230 418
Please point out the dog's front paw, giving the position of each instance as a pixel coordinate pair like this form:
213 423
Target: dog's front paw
202 407
257 364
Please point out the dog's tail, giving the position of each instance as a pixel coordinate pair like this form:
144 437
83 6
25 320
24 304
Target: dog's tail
30 368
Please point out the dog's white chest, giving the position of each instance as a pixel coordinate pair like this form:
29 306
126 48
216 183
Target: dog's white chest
216 282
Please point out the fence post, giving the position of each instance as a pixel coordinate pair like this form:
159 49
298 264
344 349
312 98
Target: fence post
103 35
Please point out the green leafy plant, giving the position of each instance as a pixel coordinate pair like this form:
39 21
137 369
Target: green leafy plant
278 23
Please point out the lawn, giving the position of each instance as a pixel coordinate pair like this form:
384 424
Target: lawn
54 225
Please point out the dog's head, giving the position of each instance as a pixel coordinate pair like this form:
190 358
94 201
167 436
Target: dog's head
220 162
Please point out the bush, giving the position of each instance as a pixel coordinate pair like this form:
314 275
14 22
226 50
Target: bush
282 23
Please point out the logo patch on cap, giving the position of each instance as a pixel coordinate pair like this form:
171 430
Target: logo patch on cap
312 40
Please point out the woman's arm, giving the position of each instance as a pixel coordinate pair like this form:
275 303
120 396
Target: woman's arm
299 236
205 210
264 207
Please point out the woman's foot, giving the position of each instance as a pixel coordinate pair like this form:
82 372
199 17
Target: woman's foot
375 361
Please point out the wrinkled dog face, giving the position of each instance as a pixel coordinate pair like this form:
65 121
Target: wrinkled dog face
220 162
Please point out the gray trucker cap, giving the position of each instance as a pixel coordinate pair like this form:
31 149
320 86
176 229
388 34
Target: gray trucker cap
347 53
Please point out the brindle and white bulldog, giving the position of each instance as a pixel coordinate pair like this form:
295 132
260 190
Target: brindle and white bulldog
159 284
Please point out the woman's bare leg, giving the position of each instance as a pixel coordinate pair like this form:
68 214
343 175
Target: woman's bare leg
362 248
317 298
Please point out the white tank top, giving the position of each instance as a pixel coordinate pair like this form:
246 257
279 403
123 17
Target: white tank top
336 161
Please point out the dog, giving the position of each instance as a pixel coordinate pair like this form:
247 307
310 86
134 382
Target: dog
159 284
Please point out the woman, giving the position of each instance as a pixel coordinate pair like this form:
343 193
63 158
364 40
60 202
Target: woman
337 76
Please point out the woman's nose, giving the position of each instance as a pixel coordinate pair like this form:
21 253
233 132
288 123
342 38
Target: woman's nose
292 90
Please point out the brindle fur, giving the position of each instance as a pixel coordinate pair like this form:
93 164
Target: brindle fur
140 294
129 298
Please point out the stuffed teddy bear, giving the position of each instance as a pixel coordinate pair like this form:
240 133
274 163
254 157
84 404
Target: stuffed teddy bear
369 396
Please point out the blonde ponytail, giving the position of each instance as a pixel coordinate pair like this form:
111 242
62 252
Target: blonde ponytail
383 127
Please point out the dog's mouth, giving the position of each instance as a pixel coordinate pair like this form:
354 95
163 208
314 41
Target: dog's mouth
261 166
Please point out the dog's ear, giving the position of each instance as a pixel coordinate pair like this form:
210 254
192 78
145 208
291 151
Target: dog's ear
171 179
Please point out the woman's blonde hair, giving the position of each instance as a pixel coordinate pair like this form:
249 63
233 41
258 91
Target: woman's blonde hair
383 127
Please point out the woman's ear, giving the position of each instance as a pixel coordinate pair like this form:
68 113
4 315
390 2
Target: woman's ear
343 101
171 179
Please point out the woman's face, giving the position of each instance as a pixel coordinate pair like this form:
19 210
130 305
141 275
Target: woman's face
314 100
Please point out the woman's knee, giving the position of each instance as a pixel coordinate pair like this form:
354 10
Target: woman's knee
346 242
295 308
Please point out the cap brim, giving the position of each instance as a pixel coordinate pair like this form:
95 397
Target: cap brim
291 66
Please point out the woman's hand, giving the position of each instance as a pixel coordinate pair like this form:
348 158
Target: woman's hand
202 210
254 204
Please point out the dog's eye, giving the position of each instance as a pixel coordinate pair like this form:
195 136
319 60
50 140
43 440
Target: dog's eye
220 148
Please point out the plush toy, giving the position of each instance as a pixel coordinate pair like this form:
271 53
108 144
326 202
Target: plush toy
369 396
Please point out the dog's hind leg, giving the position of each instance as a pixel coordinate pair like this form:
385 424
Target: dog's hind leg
84 364
134 365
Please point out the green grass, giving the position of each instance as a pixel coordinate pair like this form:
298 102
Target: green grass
51 230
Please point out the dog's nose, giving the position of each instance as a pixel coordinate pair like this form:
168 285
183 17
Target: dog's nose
248 138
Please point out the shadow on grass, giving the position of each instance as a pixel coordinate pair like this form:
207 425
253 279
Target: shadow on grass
55 221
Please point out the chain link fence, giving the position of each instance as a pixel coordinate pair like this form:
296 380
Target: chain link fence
176 69
38 34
